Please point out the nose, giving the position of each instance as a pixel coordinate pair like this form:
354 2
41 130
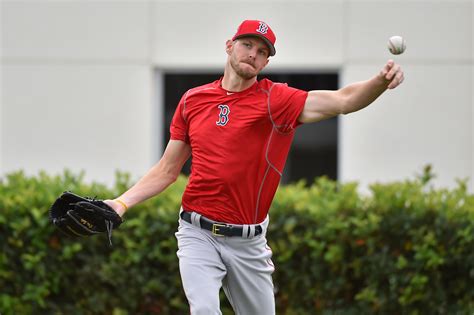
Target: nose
252 53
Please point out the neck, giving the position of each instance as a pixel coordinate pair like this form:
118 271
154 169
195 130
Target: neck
232 82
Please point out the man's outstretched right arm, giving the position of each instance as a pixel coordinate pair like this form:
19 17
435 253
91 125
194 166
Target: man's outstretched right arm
157 179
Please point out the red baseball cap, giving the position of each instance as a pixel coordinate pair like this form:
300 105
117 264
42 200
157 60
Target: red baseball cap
259 29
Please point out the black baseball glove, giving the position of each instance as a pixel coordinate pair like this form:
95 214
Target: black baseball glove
81 216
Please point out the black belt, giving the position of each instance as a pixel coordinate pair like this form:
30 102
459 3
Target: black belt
218 228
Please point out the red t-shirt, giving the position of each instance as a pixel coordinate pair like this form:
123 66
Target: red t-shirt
240 142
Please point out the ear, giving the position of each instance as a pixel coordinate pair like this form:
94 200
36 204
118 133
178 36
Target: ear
228 46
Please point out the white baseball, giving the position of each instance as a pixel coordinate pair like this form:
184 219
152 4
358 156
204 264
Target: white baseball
396 45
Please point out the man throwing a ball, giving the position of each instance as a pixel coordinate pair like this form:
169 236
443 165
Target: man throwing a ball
238 131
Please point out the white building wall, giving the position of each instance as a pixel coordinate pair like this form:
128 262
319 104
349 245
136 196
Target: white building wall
472 96
78 117
1 94
80 74
429 118
309 33
77 88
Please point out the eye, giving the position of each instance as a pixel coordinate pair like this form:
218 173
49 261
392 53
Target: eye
247 45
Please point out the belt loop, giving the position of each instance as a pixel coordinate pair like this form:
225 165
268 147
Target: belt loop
196 219
245 231
252 231
248 231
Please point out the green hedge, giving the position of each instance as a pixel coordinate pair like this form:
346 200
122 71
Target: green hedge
406 248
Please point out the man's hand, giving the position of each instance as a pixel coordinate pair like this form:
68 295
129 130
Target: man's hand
392 73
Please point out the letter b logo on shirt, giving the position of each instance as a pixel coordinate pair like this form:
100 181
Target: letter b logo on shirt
223 115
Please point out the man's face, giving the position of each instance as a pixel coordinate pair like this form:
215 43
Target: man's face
248 56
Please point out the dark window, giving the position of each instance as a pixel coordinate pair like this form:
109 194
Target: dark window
314 149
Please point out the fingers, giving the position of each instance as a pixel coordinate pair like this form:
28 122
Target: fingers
397 80
386 68
394 69
393 73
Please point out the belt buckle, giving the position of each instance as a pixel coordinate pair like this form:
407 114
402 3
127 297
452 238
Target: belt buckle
216 228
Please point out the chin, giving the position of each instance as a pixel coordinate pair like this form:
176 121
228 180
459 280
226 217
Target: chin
250 71
247 75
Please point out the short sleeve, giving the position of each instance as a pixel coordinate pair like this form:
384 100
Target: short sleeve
286 104
179 125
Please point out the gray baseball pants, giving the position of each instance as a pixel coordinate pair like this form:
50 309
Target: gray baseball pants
242 266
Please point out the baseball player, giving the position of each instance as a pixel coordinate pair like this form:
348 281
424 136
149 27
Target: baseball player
238 131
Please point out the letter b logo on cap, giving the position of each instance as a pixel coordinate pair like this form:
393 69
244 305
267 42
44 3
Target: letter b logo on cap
262 28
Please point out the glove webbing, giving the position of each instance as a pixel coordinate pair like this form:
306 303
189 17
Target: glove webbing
110 226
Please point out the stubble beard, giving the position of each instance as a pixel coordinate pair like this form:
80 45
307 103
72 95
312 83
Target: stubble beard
247 75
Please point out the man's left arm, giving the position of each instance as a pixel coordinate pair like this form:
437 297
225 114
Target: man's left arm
322 104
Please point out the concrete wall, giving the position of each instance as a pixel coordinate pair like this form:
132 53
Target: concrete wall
82 74
77 87
427 120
